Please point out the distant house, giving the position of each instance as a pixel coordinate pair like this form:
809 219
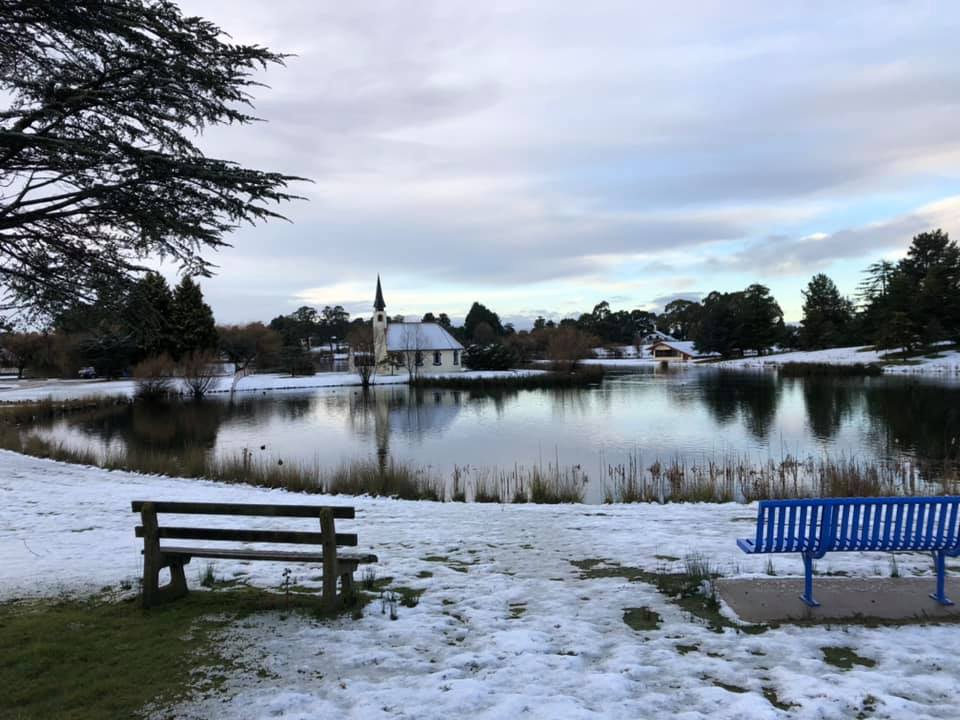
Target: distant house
674 351
655 336
418 348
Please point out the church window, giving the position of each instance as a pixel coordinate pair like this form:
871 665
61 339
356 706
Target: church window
456 357
437 357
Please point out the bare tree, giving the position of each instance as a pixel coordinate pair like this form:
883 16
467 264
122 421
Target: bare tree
154 377
200 370
362 353
567 346
410 354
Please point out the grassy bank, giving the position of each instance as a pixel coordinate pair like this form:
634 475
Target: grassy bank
100 658
581 377
813 369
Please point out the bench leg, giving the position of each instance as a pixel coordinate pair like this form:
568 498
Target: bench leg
346 588
153 593
807 596
939 560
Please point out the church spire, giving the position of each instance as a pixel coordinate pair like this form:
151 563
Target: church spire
378 303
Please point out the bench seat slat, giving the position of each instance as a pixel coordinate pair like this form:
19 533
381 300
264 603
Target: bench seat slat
278 555
341 512
245 535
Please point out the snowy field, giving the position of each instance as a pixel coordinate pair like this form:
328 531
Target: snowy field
24 390
948 364
506 627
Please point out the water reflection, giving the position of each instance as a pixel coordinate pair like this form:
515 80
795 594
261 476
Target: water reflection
829 403
675 414
750 399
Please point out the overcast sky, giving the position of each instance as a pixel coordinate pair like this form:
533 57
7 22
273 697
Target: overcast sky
543 156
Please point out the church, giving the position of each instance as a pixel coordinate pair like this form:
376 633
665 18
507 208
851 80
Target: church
415 348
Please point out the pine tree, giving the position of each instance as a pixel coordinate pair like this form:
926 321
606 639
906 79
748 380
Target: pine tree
193 325
761 322
149 315
827 315
478 314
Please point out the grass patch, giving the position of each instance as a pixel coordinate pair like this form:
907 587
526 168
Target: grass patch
771 695
409 597
517 610
730 688
91 659
688 590
845 658
642 618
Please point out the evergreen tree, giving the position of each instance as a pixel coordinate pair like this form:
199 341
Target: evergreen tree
481 314
718 330
921 302
827 315
193 325
761 319
149 315
102 106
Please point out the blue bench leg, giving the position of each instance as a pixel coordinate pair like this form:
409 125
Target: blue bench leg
807 596
939 559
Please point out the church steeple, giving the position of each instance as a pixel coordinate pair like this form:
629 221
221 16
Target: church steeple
378 304
379 329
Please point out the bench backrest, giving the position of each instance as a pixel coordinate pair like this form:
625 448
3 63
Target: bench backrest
149 510
886 524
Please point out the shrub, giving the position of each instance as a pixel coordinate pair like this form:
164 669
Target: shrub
154 377
489 357
200 372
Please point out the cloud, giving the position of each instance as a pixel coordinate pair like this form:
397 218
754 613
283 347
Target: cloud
786 255
542 153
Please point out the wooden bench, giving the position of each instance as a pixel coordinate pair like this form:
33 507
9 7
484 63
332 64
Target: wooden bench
157 556
815 527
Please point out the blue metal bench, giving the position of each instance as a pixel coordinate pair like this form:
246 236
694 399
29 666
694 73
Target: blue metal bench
815 527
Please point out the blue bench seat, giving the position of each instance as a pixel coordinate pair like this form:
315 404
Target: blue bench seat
814 527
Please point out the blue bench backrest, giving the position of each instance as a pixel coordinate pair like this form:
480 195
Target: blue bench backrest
927 523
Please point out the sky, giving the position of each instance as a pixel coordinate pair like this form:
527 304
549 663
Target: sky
541 157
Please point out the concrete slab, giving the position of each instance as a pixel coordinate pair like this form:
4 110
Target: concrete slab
763 600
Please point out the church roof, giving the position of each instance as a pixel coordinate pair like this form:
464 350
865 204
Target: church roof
419 336
378 303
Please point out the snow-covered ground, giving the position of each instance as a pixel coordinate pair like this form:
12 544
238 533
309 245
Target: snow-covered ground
506 627
19 391
949 363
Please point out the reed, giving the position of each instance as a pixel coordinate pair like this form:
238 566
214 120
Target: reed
735 479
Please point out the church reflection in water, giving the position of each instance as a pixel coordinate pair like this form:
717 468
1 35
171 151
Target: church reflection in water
412 413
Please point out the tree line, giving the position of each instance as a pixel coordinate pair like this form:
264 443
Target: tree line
907 305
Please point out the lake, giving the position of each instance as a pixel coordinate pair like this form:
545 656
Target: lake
691 414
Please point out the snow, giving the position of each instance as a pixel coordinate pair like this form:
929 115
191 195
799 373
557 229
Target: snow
461 652
29 390
948 364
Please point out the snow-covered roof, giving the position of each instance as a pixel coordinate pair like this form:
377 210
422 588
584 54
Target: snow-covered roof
419 336
684 346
